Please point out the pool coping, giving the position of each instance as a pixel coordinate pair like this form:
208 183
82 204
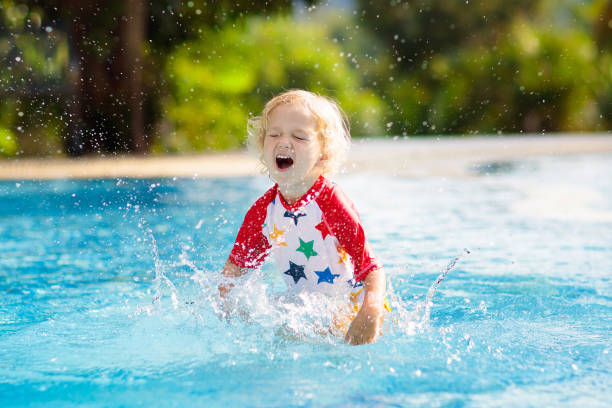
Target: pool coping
409 157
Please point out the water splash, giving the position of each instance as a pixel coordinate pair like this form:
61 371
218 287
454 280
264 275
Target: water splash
160 277
255 305
432 290
409 318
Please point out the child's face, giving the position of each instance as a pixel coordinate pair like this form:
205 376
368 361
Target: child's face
292 149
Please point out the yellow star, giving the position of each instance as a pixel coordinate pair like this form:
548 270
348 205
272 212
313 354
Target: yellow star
276 236
342 254
277 233
354 296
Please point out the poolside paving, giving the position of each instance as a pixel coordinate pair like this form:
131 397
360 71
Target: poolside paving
410 157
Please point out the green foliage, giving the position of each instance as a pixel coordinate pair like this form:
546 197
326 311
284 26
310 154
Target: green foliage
228 75
177 21
536 79
8 144
396 67
34 62
414 30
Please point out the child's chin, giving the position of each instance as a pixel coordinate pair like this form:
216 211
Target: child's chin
284 173
280 176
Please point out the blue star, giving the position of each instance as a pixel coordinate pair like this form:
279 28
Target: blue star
326 276
355 284
295 217
296 272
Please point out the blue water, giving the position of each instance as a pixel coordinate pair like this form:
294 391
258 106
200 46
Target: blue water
107 294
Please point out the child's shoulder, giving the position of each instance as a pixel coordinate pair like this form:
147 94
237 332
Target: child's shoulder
262 202
269 195
334 199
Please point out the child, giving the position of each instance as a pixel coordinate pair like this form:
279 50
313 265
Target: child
305 220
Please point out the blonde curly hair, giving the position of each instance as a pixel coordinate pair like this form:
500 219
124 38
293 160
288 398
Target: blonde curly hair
332 126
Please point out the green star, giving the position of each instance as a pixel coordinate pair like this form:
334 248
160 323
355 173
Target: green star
306 248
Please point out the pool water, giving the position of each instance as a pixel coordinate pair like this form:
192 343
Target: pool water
108 294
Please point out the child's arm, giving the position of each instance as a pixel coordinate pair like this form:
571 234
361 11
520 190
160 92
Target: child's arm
365 326
230 270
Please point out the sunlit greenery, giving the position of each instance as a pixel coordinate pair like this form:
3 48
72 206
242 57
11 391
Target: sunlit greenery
34 65
409 68
535 80
227 76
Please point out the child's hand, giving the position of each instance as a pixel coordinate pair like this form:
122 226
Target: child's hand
365 327
230 270
225 302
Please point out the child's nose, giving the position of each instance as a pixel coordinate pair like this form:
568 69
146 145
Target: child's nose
284 139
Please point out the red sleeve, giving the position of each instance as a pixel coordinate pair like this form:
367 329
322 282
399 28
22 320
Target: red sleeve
251 246
342 218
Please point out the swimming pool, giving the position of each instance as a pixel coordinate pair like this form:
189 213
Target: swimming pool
106 294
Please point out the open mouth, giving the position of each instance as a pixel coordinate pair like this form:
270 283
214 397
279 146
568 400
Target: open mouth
283 162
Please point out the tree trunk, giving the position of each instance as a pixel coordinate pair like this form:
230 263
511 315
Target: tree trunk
133 36
106 40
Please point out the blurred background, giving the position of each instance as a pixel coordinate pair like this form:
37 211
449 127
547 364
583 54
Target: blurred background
131 76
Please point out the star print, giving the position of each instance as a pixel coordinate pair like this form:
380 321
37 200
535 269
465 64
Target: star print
277 233
295 271
342 254
323 228
326 276
354 296
354 283
295 217
279 242
306 248
276 236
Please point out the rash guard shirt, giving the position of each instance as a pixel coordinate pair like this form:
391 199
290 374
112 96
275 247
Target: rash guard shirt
318 241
